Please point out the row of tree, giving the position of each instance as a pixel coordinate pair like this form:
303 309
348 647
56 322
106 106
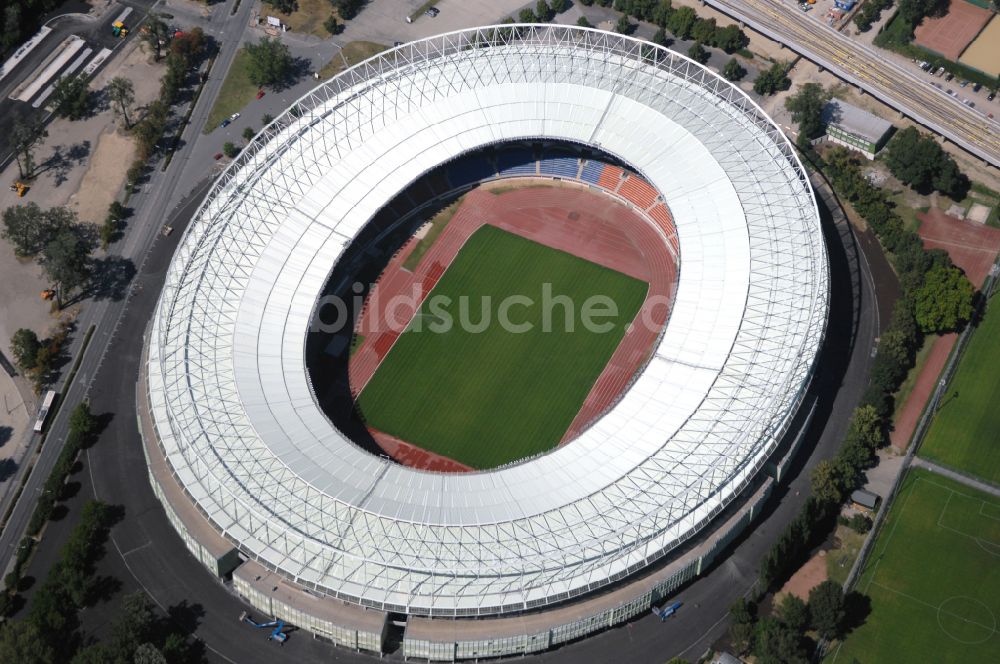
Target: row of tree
781 638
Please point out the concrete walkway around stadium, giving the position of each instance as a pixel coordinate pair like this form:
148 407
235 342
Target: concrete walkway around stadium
961 478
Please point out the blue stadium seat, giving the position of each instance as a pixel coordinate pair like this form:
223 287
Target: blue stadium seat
559 165
469 170
519 161
591 171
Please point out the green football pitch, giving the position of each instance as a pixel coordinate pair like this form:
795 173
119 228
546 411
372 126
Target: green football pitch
485 397
967 425
933 577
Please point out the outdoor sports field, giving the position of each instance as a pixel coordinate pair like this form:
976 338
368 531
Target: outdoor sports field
933 577
966 428
488 397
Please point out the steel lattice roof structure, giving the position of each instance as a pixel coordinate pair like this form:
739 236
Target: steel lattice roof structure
229 391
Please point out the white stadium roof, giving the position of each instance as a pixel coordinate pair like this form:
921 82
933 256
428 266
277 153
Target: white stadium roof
230 393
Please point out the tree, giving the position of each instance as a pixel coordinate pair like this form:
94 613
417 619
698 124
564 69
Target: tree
284 6
944 302
248 133
526 15
22 641
660 37
584 23
332 26
269 62
189 45
806 107
704 31
793 612
155 33
81 421
741 617
347 9
775 642
70 97
730 38
122 95
918 161
623 26
681 22
25 346
230 150
266 119
733 71
559 6
772 80
65 260
825 482
24 228
826 609
543 11
698 53
25 135
913 11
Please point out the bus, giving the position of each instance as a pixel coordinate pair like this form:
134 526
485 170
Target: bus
43 412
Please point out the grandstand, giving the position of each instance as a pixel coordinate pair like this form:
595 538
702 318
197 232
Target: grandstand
250 469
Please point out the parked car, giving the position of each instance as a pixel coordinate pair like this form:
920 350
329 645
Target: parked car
234 117
963 83
218 156
977 87
225 123
940 71
260 93
432 12
991 95
949 76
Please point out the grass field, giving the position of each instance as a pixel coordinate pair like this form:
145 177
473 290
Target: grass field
237 91
965 430
490 397
933 577
351 54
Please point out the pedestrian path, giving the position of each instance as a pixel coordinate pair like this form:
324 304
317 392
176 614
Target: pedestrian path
962 478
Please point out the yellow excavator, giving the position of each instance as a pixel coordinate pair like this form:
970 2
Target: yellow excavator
20 188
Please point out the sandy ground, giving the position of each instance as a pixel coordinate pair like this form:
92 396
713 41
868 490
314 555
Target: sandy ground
806 578
104 177
984 52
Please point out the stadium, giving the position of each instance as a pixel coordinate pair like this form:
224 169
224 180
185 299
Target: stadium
261 459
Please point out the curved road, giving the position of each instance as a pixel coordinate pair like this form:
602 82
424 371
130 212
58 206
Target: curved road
871 70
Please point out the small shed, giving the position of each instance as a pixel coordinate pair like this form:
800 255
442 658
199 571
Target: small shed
865 500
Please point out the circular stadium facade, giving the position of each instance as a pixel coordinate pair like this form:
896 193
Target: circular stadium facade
229 394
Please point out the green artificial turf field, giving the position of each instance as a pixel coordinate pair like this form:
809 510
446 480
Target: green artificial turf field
933 577
490 397
966 428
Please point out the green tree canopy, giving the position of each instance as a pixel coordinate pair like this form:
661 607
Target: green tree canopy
826 609
704 31
806 107
698 53
122 96
681 22
71 97
269 62
944 302
733 71
825 482
730 38
66 261
918 161
793 612
774 642
25 135
772 80
25 346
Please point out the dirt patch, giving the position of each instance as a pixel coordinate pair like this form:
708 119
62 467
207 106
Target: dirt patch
972 247
104 177
806 578
951 33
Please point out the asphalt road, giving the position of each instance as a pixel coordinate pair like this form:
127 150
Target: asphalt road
870 69
147 221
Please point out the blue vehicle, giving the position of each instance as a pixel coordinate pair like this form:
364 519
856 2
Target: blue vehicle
277 634
665 612
225 123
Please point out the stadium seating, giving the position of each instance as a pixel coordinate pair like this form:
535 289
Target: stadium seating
559 165
518 161
638 192
610 178
591 171
469 169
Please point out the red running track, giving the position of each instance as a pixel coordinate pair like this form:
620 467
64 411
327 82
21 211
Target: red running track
575 220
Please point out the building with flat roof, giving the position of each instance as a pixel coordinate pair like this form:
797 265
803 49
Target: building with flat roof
855 128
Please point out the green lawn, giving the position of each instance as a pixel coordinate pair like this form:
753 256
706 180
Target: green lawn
933 578
489 397
351 54
237 91
966 429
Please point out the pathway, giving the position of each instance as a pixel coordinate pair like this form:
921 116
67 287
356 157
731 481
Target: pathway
961 478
